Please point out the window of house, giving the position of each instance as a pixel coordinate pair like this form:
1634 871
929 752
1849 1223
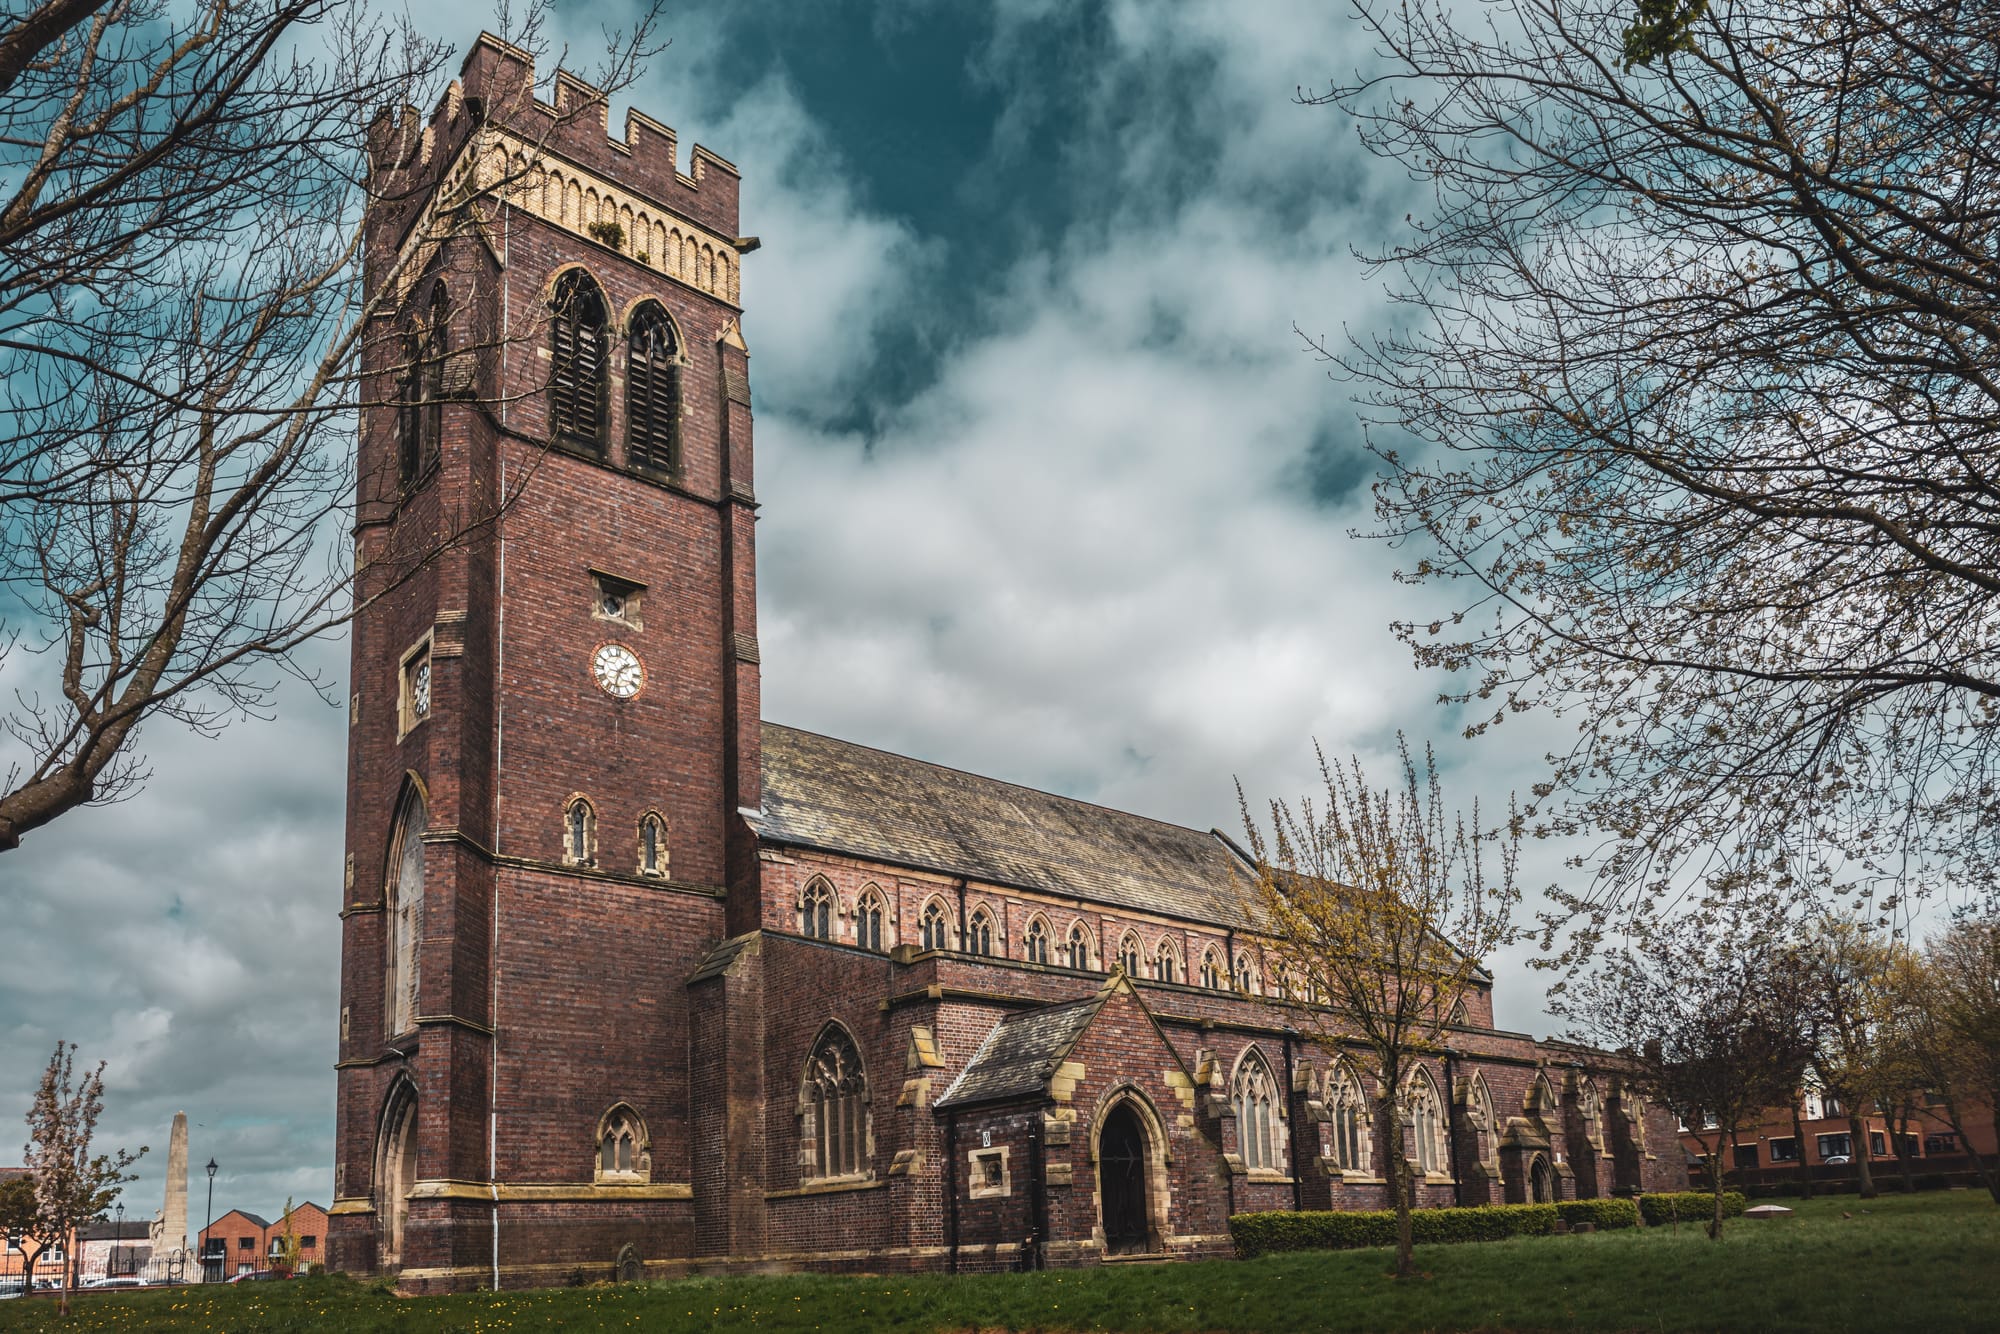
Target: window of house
420 422
1426 1124
934 927
1746 1157
405 910
1128 955
1835 1146
577 363
1256 1099
1829 1106
1211 970
1877 1146
621 1146
1076 950
1941 1143
1166 963
14 1242
979 934
816 910
868 918
836 1103
310 1241
652 844
579 832
1036 943
653 392
246 1243
615 599
1784 1150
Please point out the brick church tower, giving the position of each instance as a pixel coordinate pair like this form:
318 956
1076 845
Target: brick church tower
555 687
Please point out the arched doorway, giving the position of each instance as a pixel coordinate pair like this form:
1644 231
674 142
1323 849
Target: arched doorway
1541 1181
1121 1181
395 1178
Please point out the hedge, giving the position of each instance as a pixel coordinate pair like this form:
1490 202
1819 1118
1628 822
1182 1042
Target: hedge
1265 1233
1606 1214
1689 1206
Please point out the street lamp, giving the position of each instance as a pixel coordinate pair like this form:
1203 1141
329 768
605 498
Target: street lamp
206 1240
118 1238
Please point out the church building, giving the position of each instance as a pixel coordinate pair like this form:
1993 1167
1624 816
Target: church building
635 983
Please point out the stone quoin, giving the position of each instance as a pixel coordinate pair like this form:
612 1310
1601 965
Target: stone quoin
634 983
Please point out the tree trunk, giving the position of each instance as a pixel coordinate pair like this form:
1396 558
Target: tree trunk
1898 1133
1799 1143
1715 1187
1859 1132
1399 1184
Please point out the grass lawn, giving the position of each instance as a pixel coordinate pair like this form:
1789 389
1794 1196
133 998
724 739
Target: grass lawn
1929 1262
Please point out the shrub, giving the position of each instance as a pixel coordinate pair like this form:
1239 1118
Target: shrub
1689 1206
1606 1214
1266 1233
608 233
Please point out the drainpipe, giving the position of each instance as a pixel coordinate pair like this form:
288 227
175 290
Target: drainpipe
1451 1133
1037 1169
951 1191
961 919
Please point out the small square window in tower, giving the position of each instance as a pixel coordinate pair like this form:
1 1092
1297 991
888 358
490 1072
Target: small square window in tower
413 694
615 599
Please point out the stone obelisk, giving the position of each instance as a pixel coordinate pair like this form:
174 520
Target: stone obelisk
170 1228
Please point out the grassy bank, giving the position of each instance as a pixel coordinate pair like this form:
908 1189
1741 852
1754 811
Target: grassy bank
1926 1262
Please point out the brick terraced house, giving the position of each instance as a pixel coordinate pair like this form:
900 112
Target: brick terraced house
637 983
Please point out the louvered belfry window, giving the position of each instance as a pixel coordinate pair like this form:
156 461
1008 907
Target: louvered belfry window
577 363
653 393
422 424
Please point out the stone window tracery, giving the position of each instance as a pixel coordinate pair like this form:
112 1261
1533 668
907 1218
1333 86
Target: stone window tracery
816 909
421 419
836 1103
1591 1112
1035 945
1128 954
1256 1100
1076 950
1485 1129
579 832
1246 976
653 845
578 362
869 915
979 932
934 927
1426 1123
1351 1139
1166 962
1211 969
652 392
623 1151
405 903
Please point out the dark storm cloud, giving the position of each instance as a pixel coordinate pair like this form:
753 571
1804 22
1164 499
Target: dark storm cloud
1051 491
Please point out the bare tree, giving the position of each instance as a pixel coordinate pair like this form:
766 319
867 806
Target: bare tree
1713 1024
183 334
1693 407
72 1185
1379 906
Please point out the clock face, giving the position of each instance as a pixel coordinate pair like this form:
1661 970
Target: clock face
420 688
618 670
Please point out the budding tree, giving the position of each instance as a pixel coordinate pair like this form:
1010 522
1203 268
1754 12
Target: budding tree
1377 906
72 1185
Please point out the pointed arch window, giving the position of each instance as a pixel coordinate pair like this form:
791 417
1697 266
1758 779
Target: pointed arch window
653 845
869 915
1246 976
1076 950
623 1152
1351 1140
1211 970
836 1105
405 902
421 426
1128 954
816 909
653 392
579 833
934 927
1426 1124
1166 964
1035 945
979 932
1591 1113
1256 1100
578 369
1485 1130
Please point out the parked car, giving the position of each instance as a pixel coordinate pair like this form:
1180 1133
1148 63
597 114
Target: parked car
115 1281
1837 1160
257 1276
11 1291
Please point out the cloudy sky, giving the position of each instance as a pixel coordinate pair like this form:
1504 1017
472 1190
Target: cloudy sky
1052 491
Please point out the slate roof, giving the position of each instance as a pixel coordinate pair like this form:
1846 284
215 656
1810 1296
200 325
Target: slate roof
837 796
1022 1052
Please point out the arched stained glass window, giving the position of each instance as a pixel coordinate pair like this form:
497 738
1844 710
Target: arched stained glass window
1166 964
652 392
1036 943
1351 1139
421 421
579 832
1076 950
816 910
1256 1099
405 902
979 933
1211 969
836 1099
621 1145
868 919
1246 976
1485 1130
652 845
934 927
1128 954
578 363
1426 1114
